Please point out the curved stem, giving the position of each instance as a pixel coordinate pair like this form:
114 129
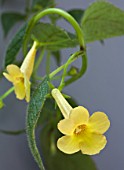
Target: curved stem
67 16
51 75
73 56
81 73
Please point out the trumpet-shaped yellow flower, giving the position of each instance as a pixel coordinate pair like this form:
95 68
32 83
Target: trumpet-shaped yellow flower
82 131
20 76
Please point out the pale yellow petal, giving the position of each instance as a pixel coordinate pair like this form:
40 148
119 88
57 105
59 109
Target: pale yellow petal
68 144
20 90
14 70
79 115
8 77
92 143
27 88
99 122
66 126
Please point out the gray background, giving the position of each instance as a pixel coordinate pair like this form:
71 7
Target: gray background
102 88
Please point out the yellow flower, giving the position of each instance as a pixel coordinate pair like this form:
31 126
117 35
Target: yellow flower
81 131
20 76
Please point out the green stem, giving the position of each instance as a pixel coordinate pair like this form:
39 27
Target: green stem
7 93
51 75
39 61
81 73
56 77
67 16
73 56
48 63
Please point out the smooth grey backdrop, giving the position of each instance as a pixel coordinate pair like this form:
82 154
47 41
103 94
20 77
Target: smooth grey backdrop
101 89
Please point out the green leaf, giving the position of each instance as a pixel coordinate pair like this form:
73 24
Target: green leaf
53 37
102 20
41 4
55 159
14 46
9 19
33 113
77 14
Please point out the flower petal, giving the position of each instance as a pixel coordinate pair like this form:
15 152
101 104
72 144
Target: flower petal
14 70
79 115
27 88
99 122
28 63
92 143
8 77
68 144
20 90
66 126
